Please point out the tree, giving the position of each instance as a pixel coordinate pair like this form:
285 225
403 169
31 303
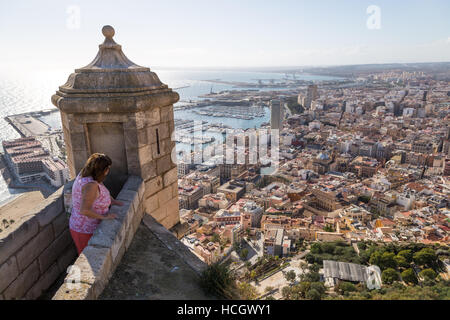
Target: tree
311 277
313 294
310 258
304 286
319 287
383 259
315 267
345 287
316 248
389 275
409 276
407 254
290 276
244 253
328 247
286 292
215 237
401 261
268 289
428 274
247 291
425 257
270 297
362 246
218 280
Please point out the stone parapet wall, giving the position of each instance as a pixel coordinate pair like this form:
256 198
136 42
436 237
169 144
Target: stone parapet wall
105 249
37 252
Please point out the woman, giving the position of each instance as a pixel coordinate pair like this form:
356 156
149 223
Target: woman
90 200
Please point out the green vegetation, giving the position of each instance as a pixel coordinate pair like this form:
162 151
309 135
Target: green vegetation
337 251
217 280
389 276
364 199
428 274
243 254
265 266
384 260
398 262
409 276
309 286
293 105
247 291
290 276
398 291
345 288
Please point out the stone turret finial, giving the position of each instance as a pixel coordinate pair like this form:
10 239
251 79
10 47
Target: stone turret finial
108 32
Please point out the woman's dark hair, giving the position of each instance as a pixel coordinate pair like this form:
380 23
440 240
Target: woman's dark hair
96 166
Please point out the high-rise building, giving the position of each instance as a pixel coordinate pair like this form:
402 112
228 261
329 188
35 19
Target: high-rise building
276 114
311 95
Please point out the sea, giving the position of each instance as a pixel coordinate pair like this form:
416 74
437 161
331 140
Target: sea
31 90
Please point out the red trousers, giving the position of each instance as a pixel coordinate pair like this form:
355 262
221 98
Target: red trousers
81 240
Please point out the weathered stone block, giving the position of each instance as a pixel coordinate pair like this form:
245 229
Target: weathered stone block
175 189
155 154
145 154
164 195
170 220
152 203
60 223
141 209
17 238
128 195
159 213
167 146
8 272
151 134
67 257
133 183
148 170
95 265
105 234
54 250
164 164
131 138
78 141
79 291
153 186
34 247
163 131
167 113
170 177
18 288
54 208
44 282
152 116
173 208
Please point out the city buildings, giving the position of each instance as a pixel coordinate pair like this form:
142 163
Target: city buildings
30 162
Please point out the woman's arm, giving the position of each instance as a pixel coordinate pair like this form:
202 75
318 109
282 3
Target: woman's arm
89 194
115 202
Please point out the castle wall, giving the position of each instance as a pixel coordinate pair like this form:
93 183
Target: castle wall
37 252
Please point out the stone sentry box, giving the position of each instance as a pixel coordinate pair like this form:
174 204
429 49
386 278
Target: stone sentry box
116 107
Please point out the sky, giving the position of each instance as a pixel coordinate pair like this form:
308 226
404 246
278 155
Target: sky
231 33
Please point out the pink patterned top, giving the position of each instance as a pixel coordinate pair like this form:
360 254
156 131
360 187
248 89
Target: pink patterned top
81 223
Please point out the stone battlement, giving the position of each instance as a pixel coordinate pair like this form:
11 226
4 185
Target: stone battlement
36 252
